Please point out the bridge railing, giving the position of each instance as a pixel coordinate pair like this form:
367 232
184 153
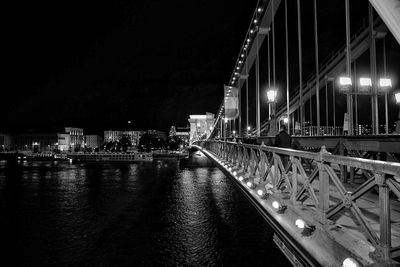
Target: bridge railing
311 179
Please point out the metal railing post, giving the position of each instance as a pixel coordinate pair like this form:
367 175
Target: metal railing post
384 217
323 184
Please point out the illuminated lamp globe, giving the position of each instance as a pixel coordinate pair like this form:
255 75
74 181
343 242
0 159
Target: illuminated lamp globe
349 262
300 223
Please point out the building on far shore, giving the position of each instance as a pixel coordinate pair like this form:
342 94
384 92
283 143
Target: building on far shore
159 134
115 135
36 141
76 136
6 141
93 141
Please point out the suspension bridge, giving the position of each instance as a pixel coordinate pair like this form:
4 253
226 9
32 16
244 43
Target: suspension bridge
333 197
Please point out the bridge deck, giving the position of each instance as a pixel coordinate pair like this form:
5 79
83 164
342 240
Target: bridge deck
360 219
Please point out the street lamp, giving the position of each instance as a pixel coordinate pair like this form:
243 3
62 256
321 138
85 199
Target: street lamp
271 97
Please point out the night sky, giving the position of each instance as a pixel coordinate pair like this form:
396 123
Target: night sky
99 64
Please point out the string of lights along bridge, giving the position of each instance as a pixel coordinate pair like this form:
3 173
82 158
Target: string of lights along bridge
327 73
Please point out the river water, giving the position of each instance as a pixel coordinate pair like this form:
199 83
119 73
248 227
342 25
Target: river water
147 214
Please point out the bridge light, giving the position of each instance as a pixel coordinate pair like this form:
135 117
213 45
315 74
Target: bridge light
240 178
365 82
385 83
271 95
345 83
260 192
249 184
237 67
240 62
300 223
259 9
276 205
285 120
248 128
307 229
242 55
235 173
397 96
248 40
255 21
349 262
251 31
229 169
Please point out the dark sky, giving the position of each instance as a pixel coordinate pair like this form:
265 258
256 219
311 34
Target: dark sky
99 64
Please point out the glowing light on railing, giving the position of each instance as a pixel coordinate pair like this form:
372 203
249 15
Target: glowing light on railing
260 192
259 9
235 173
300 223
240 62
229 169
276 205
240 178
349 262
242 55
248 40
251 31
249 184
255 21
238 68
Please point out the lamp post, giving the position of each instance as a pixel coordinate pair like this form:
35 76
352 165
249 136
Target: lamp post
225 123
271 97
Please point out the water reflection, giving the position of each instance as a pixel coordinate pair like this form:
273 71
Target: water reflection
150 214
